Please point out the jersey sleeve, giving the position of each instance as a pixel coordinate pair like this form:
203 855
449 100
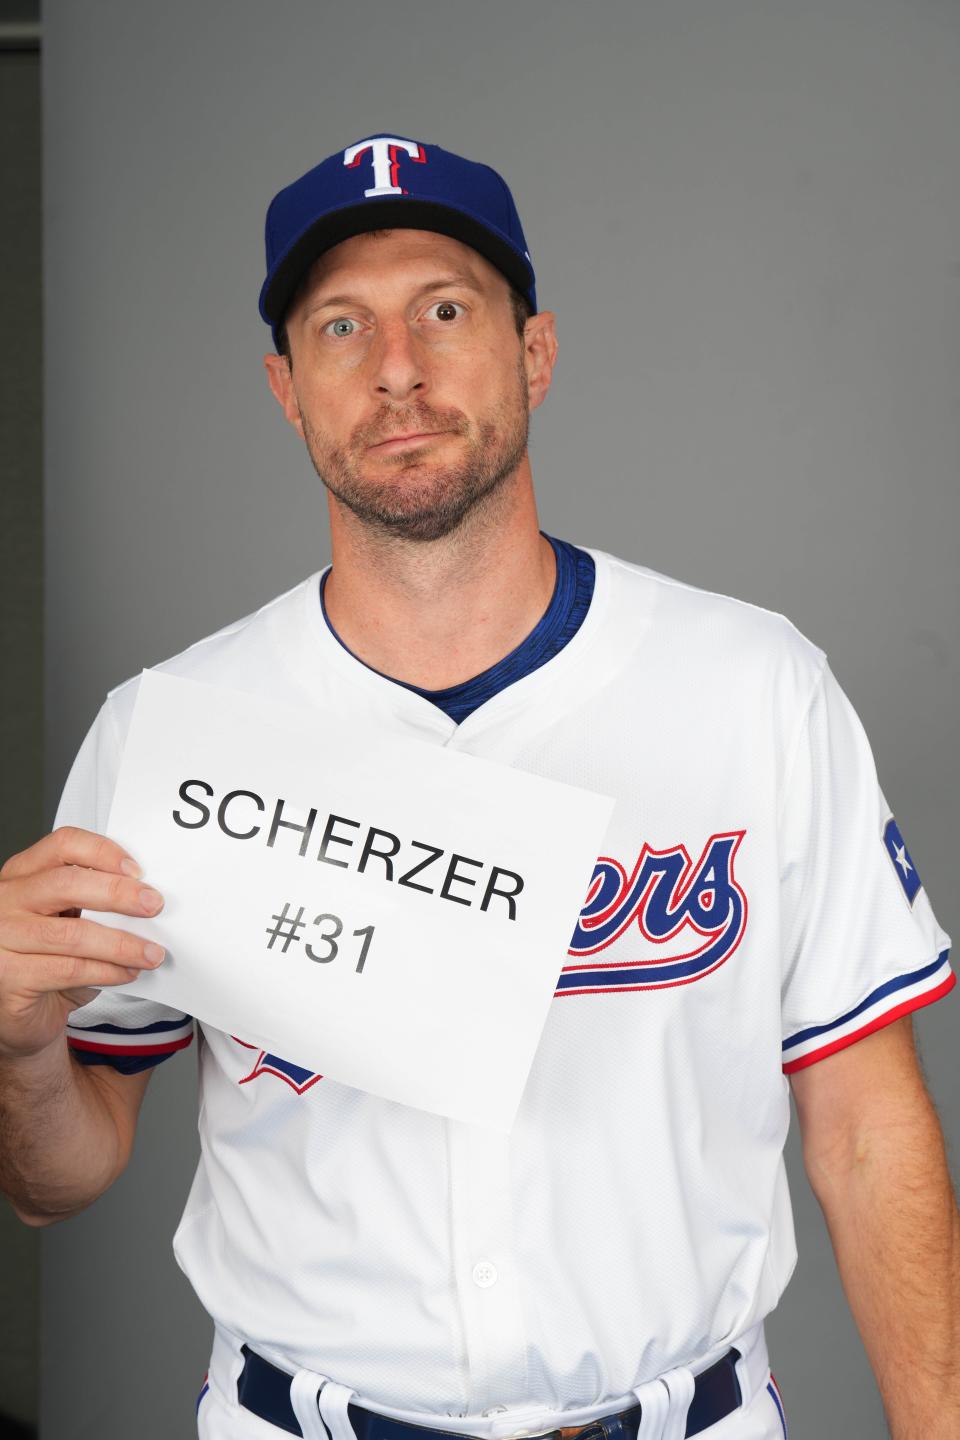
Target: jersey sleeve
124 1031
860 943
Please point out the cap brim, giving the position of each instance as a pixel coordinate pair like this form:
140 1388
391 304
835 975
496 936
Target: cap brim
385 215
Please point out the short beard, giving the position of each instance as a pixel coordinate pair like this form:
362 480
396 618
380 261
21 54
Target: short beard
436 506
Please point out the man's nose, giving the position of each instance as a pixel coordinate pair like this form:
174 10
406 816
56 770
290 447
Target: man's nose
399 365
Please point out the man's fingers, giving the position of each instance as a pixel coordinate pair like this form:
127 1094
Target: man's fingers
69 845
40 974
51 892
48 935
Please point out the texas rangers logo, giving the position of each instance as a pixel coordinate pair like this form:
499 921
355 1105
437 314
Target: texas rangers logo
384 153
675 920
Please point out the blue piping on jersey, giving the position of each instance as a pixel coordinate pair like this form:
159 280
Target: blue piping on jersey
572 593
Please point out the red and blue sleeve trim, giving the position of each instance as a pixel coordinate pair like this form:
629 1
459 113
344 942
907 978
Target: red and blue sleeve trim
888 1002
125 1064
162 1038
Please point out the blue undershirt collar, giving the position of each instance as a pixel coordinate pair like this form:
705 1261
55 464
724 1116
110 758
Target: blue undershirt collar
572 593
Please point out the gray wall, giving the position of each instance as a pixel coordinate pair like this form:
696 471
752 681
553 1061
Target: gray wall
746 218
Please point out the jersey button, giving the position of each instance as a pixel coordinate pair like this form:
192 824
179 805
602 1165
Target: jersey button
484 1274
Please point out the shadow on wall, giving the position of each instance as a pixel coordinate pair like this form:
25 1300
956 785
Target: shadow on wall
13 1430
21 606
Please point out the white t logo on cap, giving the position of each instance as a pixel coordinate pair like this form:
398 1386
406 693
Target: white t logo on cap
383 150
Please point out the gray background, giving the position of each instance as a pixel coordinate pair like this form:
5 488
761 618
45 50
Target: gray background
746 218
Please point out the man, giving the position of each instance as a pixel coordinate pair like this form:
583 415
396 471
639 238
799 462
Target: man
380 1272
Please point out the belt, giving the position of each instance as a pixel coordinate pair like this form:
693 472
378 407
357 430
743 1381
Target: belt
264 1389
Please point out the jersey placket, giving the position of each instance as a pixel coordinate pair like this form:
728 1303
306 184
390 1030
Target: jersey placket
485 1265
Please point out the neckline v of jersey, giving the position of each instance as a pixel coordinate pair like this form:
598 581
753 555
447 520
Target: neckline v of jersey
572 592
400 703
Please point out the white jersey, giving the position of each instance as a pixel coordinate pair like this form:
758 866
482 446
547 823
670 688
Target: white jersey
754 909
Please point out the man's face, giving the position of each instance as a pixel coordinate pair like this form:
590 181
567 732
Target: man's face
407 333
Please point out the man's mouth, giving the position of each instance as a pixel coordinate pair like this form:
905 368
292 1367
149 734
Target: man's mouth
397 442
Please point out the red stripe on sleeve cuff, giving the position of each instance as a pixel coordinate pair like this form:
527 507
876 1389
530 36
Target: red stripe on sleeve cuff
877 1023
167 1048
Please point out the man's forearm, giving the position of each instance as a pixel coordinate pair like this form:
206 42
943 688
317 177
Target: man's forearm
892 1215
60 1146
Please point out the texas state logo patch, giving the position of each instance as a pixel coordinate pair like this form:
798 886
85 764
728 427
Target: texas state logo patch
903 866
673 919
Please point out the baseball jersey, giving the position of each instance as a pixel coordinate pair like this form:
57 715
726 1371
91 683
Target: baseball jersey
753 910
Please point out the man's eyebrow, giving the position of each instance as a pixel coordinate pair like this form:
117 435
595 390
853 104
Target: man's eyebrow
460 280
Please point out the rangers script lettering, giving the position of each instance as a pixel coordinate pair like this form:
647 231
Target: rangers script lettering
451 879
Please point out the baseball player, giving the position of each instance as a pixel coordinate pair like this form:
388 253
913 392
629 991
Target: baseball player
755 923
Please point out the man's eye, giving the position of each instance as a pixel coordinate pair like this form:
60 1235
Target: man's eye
446 309
341 326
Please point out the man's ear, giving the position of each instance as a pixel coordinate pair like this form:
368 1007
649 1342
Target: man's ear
540 347
281 383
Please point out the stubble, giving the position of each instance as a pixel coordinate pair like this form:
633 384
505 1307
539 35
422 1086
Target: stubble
421 498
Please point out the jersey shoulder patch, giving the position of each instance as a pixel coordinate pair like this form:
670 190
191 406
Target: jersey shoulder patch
903 866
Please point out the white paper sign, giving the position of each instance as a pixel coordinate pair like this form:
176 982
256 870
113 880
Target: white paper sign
389 913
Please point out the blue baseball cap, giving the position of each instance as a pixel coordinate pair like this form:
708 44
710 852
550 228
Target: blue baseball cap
388 183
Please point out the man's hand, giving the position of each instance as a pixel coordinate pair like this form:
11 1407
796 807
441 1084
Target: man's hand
51 961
